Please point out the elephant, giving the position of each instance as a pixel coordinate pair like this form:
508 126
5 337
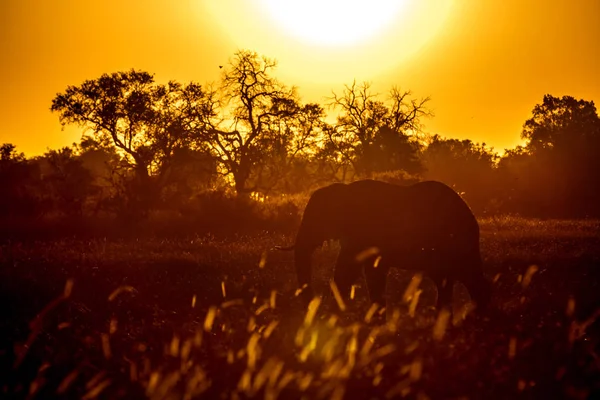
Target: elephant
426 226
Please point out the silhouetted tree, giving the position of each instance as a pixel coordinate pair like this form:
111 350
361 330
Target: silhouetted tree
192 172
395 151
9 154
146 122
68 184
556 173
519 178
365 127
258 124
19 185
470 168
563 125
99 158
289 147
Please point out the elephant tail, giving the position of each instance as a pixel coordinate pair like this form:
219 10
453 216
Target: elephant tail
282 248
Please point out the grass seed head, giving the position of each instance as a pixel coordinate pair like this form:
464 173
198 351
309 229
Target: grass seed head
413 303
67 381
376 262
338 297
512 348
496 278
441 323
285 380
95 391
261 309
106 346
263 260
253 350
366 254
174 347
245 381
529 275
68 288
273 298
412 287
570 307
305 380
371 312
300 290
95 380
113 326
416 370
231 303
270 328
313 306
210 318
332 321
251 324
119 290
223 289
186 349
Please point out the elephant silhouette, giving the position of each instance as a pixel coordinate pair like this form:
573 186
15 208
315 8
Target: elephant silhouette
426 226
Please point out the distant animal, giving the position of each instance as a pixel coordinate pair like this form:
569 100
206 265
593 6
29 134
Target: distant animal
426 226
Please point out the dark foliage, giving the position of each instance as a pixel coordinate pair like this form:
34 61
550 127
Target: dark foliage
177 148
556 173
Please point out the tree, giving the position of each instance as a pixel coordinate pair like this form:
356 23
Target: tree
366 126
288 150
69 185
258 124
555 174
19 184
146 122
396 151
192 172
469 168
563 124
9 154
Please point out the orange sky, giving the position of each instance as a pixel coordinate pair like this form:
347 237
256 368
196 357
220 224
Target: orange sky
485 65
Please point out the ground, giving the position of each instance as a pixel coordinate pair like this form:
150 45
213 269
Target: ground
212 317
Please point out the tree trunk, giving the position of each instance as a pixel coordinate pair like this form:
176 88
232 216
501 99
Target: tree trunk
240 177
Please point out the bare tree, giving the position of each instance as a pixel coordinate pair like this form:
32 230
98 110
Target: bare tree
363 117
255 120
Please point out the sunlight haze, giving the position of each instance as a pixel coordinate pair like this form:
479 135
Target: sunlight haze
485 64
334 22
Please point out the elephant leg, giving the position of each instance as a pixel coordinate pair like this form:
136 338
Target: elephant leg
445 288
479 289
347 271
376 280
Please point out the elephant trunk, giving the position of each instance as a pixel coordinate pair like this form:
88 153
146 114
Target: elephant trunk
302 260
479 287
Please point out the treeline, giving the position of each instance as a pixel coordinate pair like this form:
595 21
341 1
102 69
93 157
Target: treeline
189 149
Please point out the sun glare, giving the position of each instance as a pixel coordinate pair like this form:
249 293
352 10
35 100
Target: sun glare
331 41
333 22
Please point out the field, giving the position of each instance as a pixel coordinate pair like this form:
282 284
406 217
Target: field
208 317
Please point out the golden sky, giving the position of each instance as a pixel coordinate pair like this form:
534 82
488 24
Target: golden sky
484 63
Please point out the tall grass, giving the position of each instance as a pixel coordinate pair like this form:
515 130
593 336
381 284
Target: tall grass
202 317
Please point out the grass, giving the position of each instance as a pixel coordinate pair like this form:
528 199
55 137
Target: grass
199 317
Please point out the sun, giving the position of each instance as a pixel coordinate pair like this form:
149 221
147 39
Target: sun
330 42
333 22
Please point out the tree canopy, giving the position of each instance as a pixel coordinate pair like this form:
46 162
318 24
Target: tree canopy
149 145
